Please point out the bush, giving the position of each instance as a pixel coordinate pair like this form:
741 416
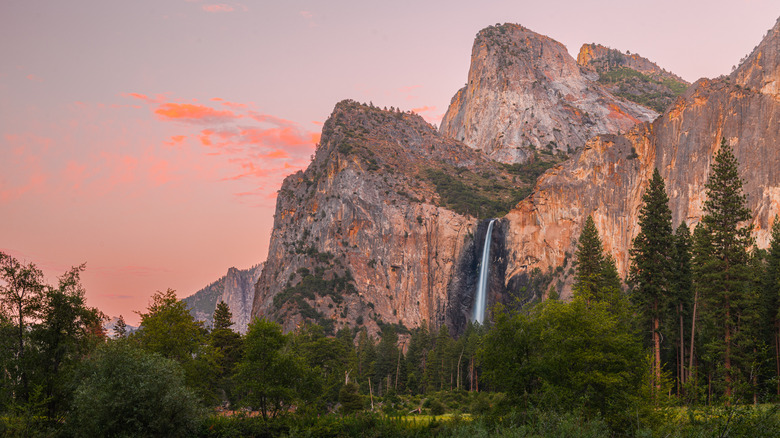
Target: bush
128 392
437 407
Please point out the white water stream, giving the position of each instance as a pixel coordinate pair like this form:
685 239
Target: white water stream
480 302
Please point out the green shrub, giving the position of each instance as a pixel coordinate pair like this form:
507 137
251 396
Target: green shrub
128 392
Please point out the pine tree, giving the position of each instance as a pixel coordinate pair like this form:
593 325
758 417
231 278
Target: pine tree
770 300
682 296
651 263
223 317
120 328
726 259
590 262
228 345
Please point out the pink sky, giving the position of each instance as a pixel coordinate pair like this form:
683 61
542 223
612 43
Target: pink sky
149 138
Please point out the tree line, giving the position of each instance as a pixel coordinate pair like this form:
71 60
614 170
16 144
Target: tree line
695 323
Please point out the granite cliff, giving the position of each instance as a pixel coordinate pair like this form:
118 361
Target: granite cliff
236 289
371 232
525 93
608 177
387 223
632 77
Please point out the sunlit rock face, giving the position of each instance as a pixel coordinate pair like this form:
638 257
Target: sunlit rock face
525 93
760 71
364 214
608 177
362 238
236 289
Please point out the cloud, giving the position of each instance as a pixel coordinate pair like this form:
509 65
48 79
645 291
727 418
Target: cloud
244 144
423 109
157 99
428 113
308 17
221 7
407 91
176 141
23 170
188 112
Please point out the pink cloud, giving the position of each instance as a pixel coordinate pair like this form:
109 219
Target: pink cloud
75 174
23 171
408 92
423 109
408 89
218 8
160 172
150 100
176 141
243 144
192 113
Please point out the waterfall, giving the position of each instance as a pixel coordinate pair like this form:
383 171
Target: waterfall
480 301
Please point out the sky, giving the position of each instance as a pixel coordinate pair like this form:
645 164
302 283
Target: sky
148 138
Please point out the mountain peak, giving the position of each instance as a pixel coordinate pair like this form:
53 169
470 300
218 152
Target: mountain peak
525 94
761 70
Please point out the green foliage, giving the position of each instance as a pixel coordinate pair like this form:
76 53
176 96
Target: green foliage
651 265
314 285
724 276
596 279
21 295
351 401
635 86
482 201
125 391
622 74
270 378
68 331
228 348
168 329
572 356
45 332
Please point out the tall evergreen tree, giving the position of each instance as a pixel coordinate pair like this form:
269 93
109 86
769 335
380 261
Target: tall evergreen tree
770 300
682 296
725 214
651 264
120 328
228 346
590 262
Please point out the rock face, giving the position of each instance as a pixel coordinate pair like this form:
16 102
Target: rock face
759 71
525 93
363 236
236 289
382 227
608 177
632 77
